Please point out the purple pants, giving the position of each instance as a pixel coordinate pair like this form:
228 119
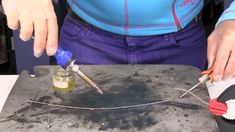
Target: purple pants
91 45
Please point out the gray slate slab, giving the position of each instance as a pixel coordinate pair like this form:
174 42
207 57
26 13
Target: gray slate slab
123 85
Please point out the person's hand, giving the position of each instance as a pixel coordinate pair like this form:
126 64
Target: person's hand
36 16
221 50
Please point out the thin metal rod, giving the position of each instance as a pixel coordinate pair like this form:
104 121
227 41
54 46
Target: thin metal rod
191 89
101 108
201 100
88 80
118 107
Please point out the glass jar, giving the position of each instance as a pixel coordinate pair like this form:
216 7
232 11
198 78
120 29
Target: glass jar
63 80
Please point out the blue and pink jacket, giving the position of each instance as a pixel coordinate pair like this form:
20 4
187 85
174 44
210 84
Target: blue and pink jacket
141 17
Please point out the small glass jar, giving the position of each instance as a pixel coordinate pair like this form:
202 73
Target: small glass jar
63 80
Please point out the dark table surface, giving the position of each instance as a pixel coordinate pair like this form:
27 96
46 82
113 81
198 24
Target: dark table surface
123 85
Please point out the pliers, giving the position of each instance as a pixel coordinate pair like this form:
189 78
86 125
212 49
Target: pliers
206 75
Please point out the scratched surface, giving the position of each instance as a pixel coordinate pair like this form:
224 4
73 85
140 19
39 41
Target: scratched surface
123 85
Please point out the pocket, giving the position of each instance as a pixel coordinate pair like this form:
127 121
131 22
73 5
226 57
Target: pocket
71 28
191 36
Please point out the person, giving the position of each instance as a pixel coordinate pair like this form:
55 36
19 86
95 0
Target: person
129 32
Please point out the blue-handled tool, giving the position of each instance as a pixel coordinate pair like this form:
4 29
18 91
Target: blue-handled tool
66 60
63 58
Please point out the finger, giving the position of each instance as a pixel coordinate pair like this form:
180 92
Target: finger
212 48
40 28
205 72
26 27
211 76
230 68
11 13
52 38
222 58
12 20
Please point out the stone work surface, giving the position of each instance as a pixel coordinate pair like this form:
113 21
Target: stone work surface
122 85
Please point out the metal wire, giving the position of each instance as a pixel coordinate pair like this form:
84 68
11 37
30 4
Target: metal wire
198 98
101 108
118 107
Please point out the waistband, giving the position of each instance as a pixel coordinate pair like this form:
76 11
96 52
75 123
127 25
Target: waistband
80 20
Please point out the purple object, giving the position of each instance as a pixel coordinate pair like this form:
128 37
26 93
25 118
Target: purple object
91 45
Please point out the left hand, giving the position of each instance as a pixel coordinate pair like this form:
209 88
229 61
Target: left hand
221 50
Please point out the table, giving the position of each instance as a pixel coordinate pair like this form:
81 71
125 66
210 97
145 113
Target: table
123 85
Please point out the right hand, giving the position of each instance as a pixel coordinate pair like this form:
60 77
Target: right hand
36 16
